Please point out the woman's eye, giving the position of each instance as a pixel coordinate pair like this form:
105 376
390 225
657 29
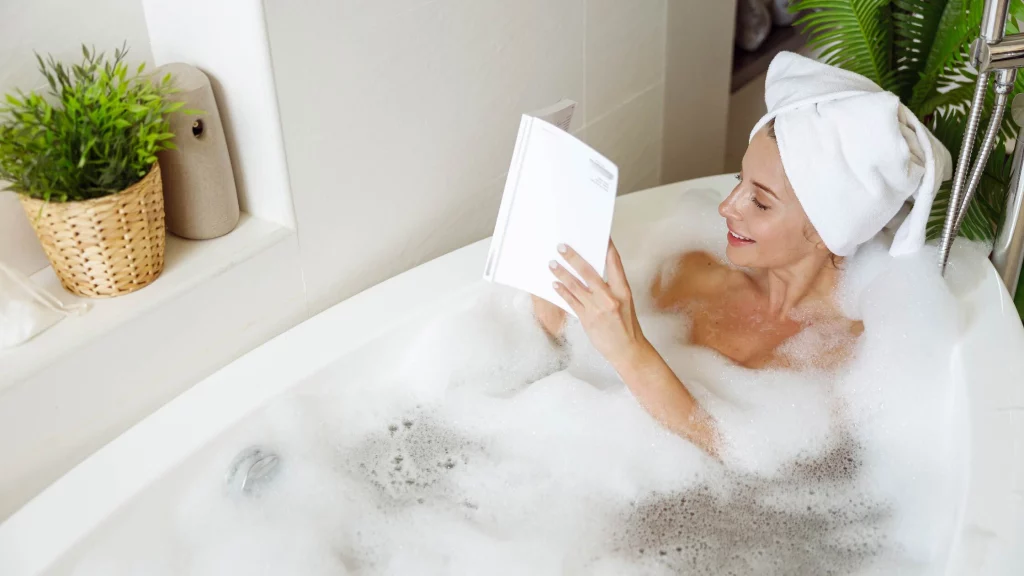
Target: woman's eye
758 204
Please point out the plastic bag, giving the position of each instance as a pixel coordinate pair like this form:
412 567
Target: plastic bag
27 310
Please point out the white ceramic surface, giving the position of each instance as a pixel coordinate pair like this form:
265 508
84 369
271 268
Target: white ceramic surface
991 351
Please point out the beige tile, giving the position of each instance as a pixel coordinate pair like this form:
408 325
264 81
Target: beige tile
631 137
746 107
458 222
415 114
698 64
462 223
625 51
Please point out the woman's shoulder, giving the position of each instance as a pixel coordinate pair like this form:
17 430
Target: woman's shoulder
692 275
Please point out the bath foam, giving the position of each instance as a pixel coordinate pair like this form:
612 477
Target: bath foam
900 394
477 446
810 520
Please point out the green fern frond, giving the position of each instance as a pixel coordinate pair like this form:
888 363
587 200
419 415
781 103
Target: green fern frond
946 56
916 27
1017 15
939 101
956 98
982 215
942 98
853 34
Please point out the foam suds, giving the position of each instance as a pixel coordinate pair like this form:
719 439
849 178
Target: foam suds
475 446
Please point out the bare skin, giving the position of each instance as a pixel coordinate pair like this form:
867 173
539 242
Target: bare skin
783 281
732 313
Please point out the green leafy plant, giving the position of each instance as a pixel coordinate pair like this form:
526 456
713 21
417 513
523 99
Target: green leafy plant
94 133
919 50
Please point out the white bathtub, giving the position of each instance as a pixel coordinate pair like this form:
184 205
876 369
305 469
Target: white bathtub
990 539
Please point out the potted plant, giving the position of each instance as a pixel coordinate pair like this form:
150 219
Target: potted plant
83 160
919 50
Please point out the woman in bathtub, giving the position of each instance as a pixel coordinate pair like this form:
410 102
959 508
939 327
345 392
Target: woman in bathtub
826 169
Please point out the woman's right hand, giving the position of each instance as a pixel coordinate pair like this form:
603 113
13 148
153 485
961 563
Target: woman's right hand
550 316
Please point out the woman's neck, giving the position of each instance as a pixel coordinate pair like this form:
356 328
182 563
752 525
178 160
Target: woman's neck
810 280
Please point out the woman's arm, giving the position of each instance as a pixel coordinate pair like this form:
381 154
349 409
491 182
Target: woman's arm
550 317
657 388
608 316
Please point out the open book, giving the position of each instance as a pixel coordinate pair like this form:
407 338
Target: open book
559 190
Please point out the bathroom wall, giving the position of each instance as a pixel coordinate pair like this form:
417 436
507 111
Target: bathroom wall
57 27
399 116
746 107
698 71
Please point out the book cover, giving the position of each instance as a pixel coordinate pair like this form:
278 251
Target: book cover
558 190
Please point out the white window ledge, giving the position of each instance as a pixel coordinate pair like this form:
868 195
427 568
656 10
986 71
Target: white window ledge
188 264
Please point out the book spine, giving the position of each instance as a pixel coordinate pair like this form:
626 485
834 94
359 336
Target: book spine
508 198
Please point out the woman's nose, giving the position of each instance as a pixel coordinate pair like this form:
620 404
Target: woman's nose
728 206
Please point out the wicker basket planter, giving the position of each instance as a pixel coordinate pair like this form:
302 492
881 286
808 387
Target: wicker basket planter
107 246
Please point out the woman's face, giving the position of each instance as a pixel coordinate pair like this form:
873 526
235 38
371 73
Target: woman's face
767 226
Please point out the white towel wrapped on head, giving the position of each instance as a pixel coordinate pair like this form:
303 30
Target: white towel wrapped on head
853 153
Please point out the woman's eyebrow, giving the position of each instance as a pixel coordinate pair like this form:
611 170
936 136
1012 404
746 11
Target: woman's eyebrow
766 189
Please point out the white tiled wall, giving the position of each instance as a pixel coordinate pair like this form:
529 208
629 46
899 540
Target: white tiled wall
746 107
57 27
631 135
625 52
399 138
698 70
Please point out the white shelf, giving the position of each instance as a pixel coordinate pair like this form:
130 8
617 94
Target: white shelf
188 263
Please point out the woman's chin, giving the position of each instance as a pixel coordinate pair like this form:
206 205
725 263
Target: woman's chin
739 255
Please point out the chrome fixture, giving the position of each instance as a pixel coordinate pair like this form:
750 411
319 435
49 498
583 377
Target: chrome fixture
993 55
1008 251
252 469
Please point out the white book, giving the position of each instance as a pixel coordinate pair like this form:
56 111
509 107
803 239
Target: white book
558 190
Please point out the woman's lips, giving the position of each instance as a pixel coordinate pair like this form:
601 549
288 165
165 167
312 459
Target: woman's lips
737 240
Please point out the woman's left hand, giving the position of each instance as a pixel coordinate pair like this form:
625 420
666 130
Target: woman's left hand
605 309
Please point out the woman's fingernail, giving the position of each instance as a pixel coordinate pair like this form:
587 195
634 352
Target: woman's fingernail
553 265
562 248
555 285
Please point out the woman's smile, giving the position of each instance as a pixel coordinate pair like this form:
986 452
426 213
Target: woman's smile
738 239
